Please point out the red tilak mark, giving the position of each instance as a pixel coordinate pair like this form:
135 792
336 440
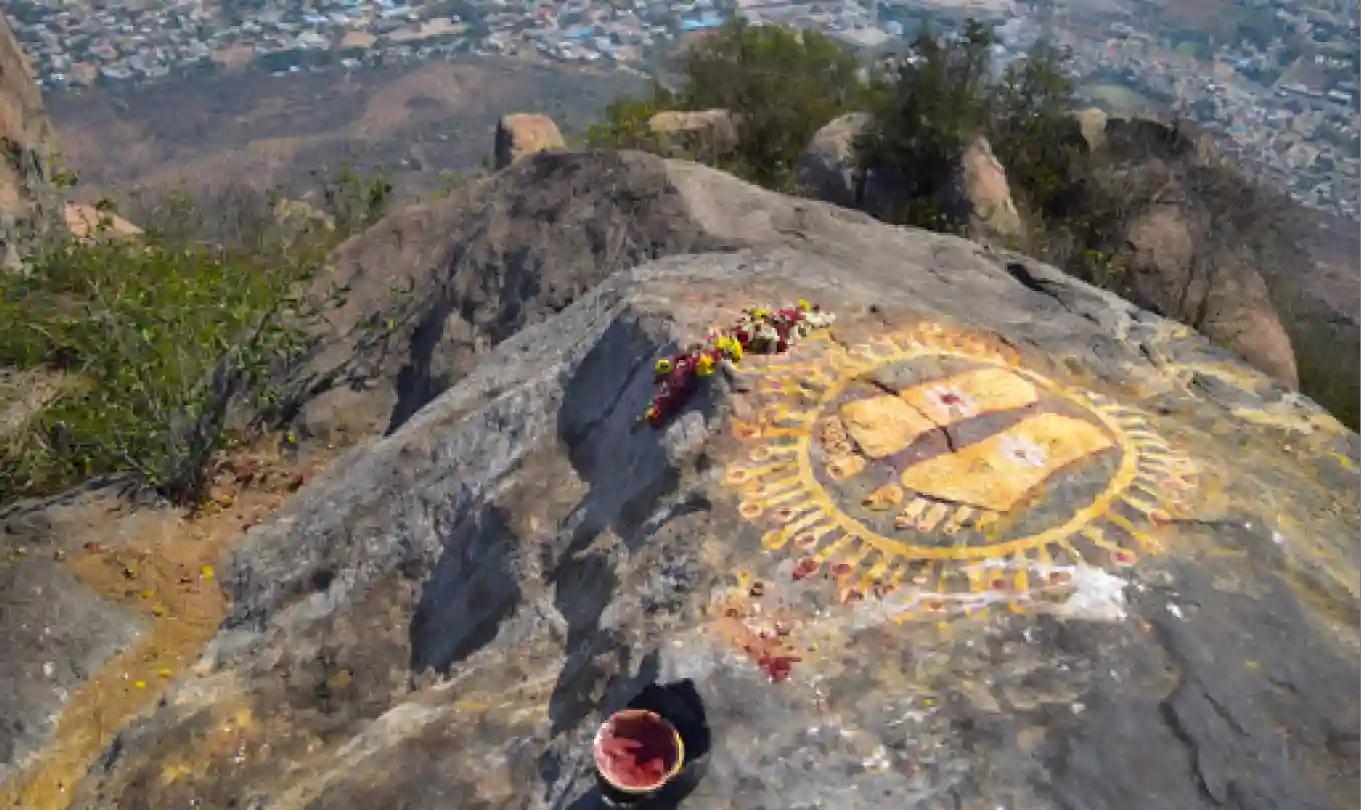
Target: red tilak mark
805 568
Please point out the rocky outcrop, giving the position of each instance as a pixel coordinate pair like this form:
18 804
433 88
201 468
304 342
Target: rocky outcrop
1192 245
1183 259
85 221
704 134
828 169
1091 125
1081 536
523 134
977 195
1221 295
420 299
980 197
300 216
28 199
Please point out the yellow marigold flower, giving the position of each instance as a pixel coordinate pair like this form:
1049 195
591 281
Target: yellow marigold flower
804 305
663 366
704 366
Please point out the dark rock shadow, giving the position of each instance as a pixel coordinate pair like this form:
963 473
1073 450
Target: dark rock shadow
626 465
471 590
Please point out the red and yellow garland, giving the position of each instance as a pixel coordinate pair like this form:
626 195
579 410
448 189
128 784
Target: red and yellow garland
761 331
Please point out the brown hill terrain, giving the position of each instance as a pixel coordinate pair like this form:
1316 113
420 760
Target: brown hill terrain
414 121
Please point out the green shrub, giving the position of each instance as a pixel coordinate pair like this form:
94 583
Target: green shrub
157 338
783 86
626 122
927 113
354 200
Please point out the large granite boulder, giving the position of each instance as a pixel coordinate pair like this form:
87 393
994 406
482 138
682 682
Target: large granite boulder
28 198
523 134
1195 246
419 299
828 169
977 196
1222 295
703 134
980 196
996 538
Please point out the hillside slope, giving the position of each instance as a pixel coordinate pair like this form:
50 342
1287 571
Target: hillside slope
995 538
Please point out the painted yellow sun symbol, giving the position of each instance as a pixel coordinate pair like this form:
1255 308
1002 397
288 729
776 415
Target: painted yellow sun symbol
932 469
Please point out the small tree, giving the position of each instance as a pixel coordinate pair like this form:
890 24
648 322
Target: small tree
1031 130
926 116
782 84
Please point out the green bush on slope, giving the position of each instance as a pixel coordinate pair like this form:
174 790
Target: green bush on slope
155 338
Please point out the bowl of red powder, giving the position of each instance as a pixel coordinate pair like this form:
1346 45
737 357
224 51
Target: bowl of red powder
638 751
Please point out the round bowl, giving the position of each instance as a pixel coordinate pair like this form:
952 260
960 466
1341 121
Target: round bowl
638 751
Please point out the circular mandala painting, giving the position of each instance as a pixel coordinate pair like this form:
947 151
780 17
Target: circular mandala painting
933 470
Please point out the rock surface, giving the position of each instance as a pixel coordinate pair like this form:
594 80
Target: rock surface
85 221
419 299
1091 125
523 134
710 134
981 196
827 168
28 199
1187 260
1064 553
1227 301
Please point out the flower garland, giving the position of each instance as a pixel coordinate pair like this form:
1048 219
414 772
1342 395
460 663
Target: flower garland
760 331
